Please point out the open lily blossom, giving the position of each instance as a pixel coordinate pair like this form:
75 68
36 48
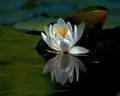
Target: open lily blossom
62 37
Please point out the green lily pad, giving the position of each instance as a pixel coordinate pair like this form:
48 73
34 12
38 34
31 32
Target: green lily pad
20 66
118 94
36 24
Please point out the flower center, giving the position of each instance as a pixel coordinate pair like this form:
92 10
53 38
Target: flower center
62 32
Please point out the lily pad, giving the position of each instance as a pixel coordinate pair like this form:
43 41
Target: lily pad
7 5
20 66
54 10
112 21
15 16
118 94
36 24
110 4
92 16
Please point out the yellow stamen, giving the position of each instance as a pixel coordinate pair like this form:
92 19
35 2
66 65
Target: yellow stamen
62 32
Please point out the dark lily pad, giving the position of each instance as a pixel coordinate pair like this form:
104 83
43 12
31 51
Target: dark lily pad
54 10
15 16
111 4
7 5
30 4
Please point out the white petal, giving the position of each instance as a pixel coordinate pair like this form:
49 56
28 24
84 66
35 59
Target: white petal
77 71
82 66
62 78
71 69
58 39
70 27
64 63
71 78
51 30
78 32
61 24
64 45
69 37
50 38
79 65
78 50
54 43
47 41
46 30
73 63
55 27
61 21
81 28
44 37
47 65
75 34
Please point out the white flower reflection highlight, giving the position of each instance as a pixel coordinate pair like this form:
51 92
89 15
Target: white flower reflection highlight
62 68
62 37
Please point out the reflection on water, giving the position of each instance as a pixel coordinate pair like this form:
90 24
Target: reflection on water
63 66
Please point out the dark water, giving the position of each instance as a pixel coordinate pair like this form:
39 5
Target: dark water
21 67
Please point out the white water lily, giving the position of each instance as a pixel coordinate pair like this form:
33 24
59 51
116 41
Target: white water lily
64 67
62 37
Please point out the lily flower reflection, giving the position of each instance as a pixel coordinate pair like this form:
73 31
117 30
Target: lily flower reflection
62 37
62 68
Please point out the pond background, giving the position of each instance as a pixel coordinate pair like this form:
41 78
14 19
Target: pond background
21 67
